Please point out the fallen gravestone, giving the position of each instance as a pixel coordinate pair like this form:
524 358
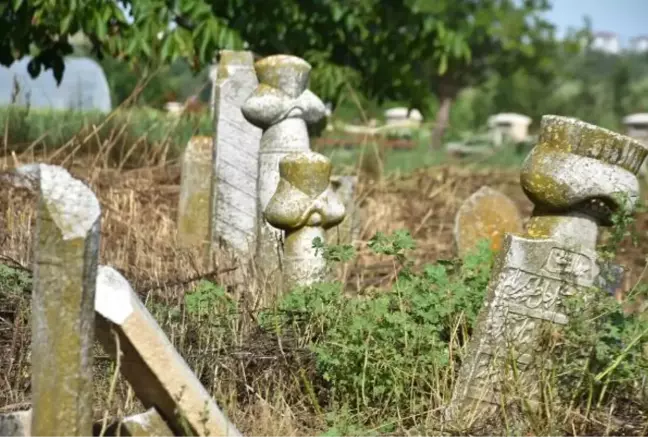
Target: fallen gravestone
281 106
486 214
304 206
195 190
158 375
574 176
234 215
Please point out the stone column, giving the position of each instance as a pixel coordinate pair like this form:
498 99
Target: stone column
282 106
574 176
195 192
304 206
65 267
235 160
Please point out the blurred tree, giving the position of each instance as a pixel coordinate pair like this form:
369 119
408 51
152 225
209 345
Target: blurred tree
44 28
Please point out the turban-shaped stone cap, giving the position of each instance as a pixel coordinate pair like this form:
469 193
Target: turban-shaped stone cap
578 166
304 196
288 73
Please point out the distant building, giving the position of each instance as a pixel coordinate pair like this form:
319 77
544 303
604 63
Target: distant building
639 44
84 86
607 42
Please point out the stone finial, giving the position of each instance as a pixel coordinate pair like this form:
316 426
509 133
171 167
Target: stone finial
195 192
158 374
486 214
577 176
348 230
304 206
66 251
283 107
235 160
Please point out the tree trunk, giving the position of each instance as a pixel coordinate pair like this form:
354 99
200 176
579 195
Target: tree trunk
440 123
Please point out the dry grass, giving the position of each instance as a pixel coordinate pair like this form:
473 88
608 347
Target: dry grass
260 382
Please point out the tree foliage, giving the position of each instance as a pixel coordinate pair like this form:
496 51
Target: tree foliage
44 28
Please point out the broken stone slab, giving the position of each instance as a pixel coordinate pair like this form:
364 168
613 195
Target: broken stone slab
282 107
65 267
486 214
234 215
155 370
577 176
146 424
195 193
16 424
304 206
349 230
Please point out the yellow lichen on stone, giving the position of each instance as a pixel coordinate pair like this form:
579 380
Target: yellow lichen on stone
287 73
487 214
230 58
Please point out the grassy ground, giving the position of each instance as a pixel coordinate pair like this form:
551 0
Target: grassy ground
331 360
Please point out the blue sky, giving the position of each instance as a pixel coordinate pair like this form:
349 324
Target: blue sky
626 18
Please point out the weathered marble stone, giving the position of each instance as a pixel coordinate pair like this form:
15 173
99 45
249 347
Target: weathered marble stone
282 106
304 206
146 424
17 424
65 253
486 214
574 176
195 192
236 155
158 374
349 230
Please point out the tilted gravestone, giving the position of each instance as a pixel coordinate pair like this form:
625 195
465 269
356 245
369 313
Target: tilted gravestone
234 209
157 373
195 192
304 206
486 214
66 251
577 176
281 106
349 229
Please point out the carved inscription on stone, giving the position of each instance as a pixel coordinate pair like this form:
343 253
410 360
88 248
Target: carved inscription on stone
535 278
235 155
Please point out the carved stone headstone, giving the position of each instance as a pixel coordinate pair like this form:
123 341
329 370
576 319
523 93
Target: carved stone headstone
65 267
235 155
304 206
154 369
349 229
486 214
195 192
149 423
282 106
574 176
